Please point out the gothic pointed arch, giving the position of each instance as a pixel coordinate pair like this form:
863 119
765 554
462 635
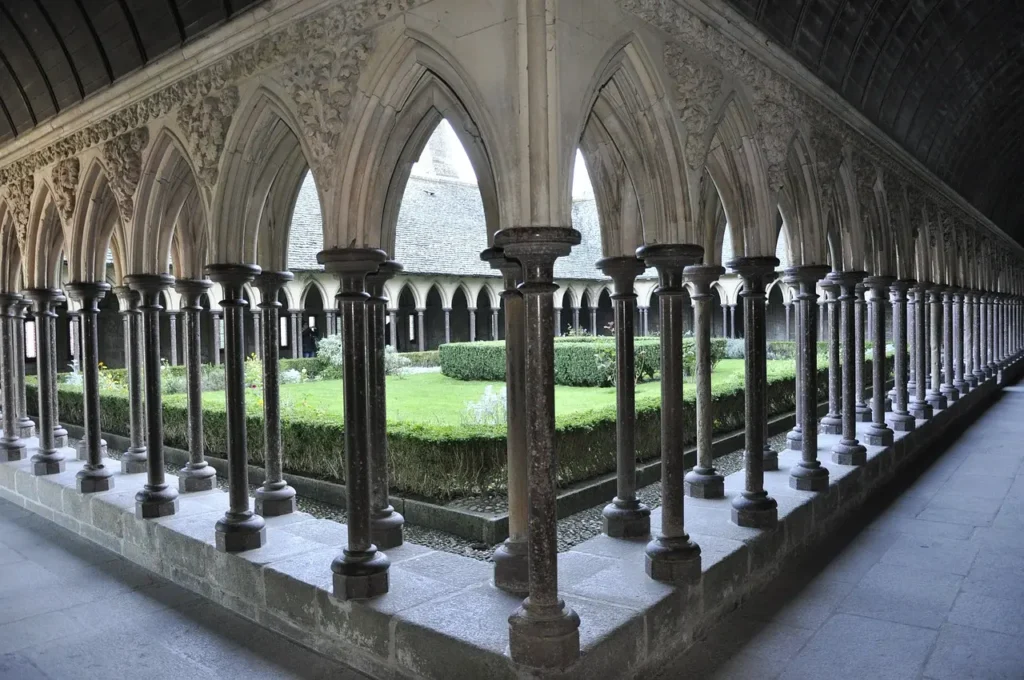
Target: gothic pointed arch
10 252
800 203
44 241
96 217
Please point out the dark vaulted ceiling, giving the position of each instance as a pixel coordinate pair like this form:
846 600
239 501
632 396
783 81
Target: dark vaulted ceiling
944 78
55 53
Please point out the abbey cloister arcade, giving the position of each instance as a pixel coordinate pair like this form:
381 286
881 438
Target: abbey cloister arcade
735 194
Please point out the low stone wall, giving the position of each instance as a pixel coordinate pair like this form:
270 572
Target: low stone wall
442 618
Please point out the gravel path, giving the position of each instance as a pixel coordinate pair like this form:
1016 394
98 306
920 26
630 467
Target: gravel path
572 530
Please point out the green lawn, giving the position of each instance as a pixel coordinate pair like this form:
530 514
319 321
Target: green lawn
435 398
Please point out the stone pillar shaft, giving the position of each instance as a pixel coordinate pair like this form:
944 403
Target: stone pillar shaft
902 420
26 424
393 327
172 322
448 325
11 445
832 423
48 459
863 413
936 397
849 450
421 336
472 325
197 474
919 407
878 434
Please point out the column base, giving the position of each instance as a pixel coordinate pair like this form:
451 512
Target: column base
238 533
60 437
755 510
830 424
809 478
770 459
386 528
11 450
937 401
979 377
544 638
134 461
921 410
879 435
195 479
902 422
971 380
154 503
863 413
673 560
626 519
274 501
512 567
362 575
961 386
794 440
849 452
95 480
26 428
704 483
82 452
51 463
951 394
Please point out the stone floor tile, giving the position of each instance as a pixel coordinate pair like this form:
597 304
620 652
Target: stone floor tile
38 629
859 556
16 666
949 517
908 595
993 465
923 527
798 603
449 569
977 486
855 647
999 614
631 549
1001 580
964 653
938 554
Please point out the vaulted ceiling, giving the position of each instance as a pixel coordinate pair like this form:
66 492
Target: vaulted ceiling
55 53
944 78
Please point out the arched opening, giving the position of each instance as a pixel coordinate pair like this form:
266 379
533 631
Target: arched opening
313 321
408 333
565 319
654 314
486 319
719 318
459 318
433 320
605 314
775 315
588 315
736 315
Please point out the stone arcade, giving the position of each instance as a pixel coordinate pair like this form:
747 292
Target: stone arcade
187 171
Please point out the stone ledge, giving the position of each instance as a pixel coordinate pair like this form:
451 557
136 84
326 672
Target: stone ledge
443 618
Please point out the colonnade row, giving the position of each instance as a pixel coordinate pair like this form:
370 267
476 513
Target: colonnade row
971 332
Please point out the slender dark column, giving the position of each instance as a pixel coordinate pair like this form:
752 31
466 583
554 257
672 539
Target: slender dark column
725 321
133 461
789 336
848 451
993 365
957 338
986 357
732 315
197 475
912 339
919 407
94 476
576 318
936 396
48 459
386 525
902 420
593 320
808 474
979 338
11 445
543 632
494 324
472 324
257 332
863 412
156 499
512 558
239 529
970 379
361 571
878 433
950 364
447 325
275 497
172 322
26 426
60 433
703 481
420 335
672 556
795 437
217 334
392 327
625 516
832 422
754 507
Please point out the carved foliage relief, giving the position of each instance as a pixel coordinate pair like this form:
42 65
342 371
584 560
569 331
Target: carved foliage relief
205 122
697 87
65 185
123 156
19 200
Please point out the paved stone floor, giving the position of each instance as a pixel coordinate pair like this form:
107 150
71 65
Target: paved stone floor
927 583
70 609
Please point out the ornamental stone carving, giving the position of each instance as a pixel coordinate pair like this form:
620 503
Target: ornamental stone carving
19 199
65 186
697 88
205 122
777 111
123 156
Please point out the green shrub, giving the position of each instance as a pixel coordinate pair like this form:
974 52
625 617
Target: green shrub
425 359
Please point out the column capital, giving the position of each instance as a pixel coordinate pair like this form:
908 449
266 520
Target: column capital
756 272
702 276
846 278
876 282
10 304
670 260
85 290
269 285
536 249
512 271
375 280
623 270
805 275
352 266
43 299
921 286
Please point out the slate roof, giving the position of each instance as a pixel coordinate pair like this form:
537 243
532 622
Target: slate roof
441 231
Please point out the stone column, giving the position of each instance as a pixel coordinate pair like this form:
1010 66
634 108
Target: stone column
296 334
421 335
197 475
863 412
48 459
787 306
156 499
725 321
808 474
386 525
576 319
968 339
990 304
902 419
672 556
919 406
511 559
878 433
979 338
543 631
593 321
848 451
393 327
494 325
361 571
257 332
643 320
239 529
217 343
957 311
732 315
936 395
172 320
275 497
625 516
12 447
912 342
703 481
983 336
26 426
332 322
472 324
134 460
60 433
832 422
94 476
447 325
753 507
949 366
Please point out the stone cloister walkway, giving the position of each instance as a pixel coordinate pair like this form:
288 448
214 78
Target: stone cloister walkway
927 583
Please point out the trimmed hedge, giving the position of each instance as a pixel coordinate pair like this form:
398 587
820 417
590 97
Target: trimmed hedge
579 361
429 358
431 460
